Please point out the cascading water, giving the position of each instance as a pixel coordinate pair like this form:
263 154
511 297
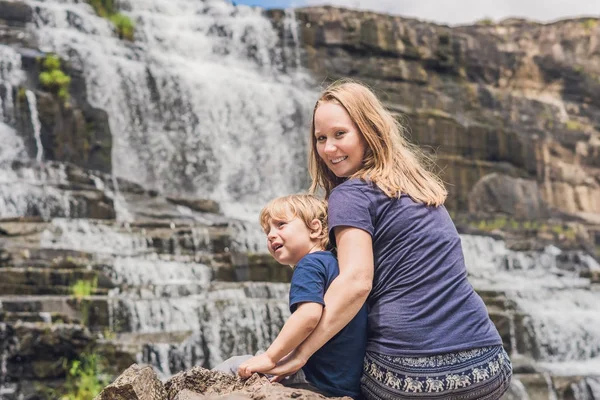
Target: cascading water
560 327
174 296
205 108
24 188
206 103
208 109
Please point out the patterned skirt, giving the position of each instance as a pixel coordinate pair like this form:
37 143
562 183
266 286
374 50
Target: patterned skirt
482 373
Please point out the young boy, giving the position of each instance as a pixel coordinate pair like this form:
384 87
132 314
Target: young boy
296 229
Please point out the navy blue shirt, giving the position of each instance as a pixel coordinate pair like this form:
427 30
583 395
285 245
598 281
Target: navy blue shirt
421 302
337 366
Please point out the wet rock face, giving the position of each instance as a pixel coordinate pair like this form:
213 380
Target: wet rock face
14 15
197 383
518 99
68 191
71 129
77 133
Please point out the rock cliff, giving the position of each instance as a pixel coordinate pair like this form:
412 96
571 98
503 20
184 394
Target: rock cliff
511 111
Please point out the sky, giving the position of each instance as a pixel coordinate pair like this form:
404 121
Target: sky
457 11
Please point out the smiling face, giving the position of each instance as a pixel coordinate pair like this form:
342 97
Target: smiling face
289 239
338 141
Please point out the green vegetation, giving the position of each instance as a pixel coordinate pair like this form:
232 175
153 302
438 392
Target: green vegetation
107 9
85 378
53 78
434 112
104 8
21 94
573 125
108 334
124 26
589 24
83 288
485 21
504 223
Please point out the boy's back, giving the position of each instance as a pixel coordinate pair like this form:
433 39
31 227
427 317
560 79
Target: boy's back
337 367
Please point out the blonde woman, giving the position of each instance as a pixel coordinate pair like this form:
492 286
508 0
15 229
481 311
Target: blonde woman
429 332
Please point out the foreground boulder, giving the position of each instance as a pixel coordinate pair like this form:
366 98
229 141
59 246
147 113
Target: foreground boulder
142 383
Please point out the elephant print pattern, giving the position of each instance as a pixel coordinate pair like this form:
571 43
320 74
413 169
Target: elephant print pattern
482 373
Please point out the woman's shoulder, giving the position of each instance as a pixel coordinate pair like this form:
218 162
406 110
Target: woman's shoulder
352 189
354 184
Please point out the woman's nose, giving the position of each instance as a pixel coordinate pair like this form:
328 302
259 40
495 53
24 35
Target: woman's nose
329 147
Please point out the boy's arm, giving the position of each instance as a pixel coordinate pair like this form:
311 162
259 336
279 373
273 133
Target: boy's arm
297 328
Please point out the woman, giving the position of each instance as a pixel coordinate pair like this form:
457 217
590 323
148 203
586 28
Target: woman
429 332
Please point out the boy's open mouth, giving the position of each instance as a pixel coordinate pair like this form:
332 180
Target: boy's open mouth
277 246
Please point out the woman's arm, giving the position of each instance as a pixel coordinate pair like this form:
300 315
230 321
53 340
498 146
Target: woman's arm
296 329
344 298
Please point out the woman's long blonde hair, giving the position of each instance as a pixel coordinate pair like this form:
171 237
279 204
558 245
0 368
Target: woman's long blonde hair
390 161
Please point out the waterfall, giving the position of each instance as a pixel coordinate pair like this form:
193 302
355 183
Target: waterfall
174 296
35 121
206 109
10 77
547 287
25 188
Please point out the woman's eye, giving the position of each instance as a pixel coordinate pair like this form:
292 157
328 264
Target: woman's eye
320 138
339 133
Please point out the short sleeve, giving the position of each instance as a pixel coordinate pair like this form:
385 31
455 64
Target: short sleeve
308 283
349 206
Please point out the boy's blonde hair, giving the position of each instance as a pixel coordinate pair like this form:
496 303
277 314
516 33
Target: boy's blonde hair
390 161
304 206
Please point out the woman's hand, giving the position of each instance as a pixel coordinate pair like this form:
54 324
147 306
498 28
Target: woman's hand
288 365
261 363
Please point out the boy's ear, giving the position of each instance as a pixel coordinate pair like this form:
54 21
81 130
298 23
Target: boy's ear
315 228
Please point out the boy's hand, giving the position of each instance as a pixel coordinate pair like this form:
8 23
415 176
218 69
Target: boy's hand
259 363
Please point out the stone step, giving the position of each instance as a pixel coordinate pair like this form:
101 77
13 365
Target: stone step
28 290
47 317
41 257
44 277
38 348
141 339
253 267
42 351
91 311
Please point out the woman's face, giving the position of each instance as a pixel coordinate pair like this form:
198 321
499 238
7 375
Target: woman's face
339 143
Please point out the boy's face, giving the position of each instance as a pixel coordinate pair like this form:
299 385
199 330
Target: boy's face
289 239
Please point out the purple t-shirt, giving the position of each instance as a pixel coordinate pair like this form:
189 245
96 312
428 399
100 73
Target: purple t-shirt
421 303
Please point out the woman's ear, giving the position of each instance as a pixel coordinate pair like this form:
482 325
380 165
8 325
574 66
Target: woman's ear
316 227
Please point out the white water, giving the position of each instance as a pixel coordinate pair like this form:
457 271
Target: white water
10 77
562 307
199 104
37 126
25 189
